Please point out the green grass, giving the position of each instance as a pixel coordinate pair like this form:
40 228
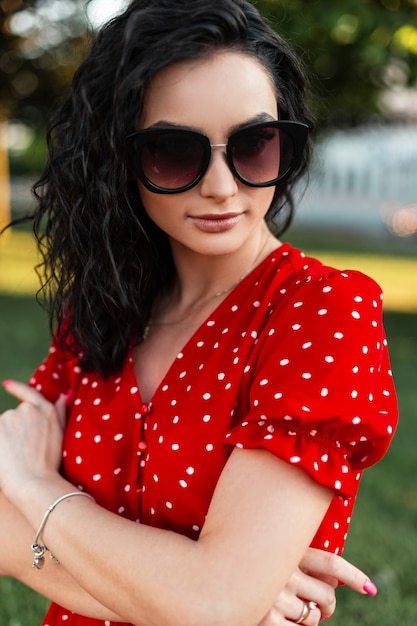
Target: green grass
383 532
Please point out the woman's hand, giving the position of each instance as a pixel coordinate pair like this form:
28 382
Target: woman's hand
315 580
30 438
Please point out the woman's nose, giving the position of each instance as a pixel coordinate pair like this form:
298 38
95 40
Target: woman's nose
218 182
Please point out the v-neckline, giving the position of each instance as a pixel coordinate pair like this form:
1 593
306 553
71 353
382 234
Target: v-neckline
194 337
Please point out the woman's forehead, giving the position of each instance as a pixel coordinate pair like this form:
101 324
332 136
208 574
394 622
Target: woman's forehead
227 86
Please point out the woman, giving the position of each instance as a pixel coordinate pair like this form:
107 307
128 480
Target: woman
216 392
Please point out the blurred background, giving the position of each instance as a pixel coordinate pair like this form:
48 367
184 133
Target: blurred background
359 210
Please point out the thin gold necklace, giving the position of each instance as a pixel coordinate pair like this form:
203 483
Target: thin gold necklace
218 294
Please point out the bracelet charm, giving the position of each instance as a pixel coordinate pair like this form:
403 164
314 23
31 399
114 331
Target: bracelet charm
39 560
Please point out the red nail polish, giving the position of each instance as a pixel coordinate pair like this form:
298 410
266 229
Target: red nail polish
370 588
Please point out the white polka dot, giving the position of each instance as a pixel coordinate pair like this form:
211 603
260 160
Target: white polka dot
338 484
209 447
322 312
306 345
296 327
355 369
221 376
365 349
118 437
358 299
327 289
97 401
325 458
97 438
206 418
183 484
264 382
306 375
168 505
329 359
97 477
356 315
324 392
354 394
298 304
295 459
78 460
284 362
190 470
338 335
278 396
207 396
175 446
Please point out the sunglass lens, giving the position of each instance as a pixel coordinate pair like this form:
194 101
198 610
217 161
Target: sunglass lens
262 154
172 160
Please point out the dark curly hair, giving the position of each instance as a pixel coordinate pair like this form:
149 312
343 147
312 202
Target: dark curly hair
104 261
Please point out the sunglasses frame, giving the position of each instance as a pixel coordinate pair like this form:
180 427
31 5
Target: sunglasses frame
297 131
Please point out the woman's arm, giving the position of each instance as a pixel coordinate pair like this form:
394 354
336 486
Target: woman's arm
316 577
54 582
263 516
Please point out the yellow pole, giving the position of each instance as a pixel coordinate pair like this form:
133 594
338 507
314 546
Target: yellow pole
4 177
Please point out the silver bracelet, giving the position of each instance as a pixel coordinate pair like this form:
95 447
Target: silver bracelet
39 549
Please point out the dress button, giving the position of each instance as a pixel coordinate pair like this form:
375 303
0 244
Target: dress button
142 446
145 409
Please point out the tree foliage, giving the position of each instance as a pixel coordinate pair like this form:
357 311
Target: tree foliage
353 49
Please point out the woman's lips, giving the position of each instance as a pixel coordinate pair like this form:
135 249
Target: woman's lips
216 223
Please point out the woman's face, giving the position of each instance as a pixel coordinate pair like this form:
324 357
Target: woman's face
214 96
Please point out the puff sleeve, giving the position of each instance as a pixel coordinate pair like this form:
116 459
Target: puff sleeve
321 394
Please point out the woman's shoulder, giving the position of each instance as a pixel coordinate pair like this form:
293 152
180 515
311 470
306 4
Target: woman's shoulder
295 274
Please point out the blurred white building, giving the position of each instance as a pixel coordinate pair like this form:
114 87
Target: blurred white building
364 179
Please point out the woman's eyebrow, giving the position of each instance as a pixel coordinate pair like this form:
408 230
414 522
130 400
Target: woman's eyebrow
259 118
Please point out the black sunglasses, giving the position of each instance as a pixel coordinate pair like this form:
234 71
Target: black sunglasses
173 160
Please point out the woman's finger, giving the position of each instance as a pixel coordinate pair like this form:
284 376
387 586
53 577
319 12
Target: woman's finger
328 566
312 589
24 393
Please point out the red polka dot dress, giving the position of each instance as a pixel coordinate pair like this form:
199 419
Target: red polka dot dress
294 360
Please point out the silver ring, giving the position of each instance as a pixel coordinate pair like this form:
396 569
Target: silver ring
307 608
